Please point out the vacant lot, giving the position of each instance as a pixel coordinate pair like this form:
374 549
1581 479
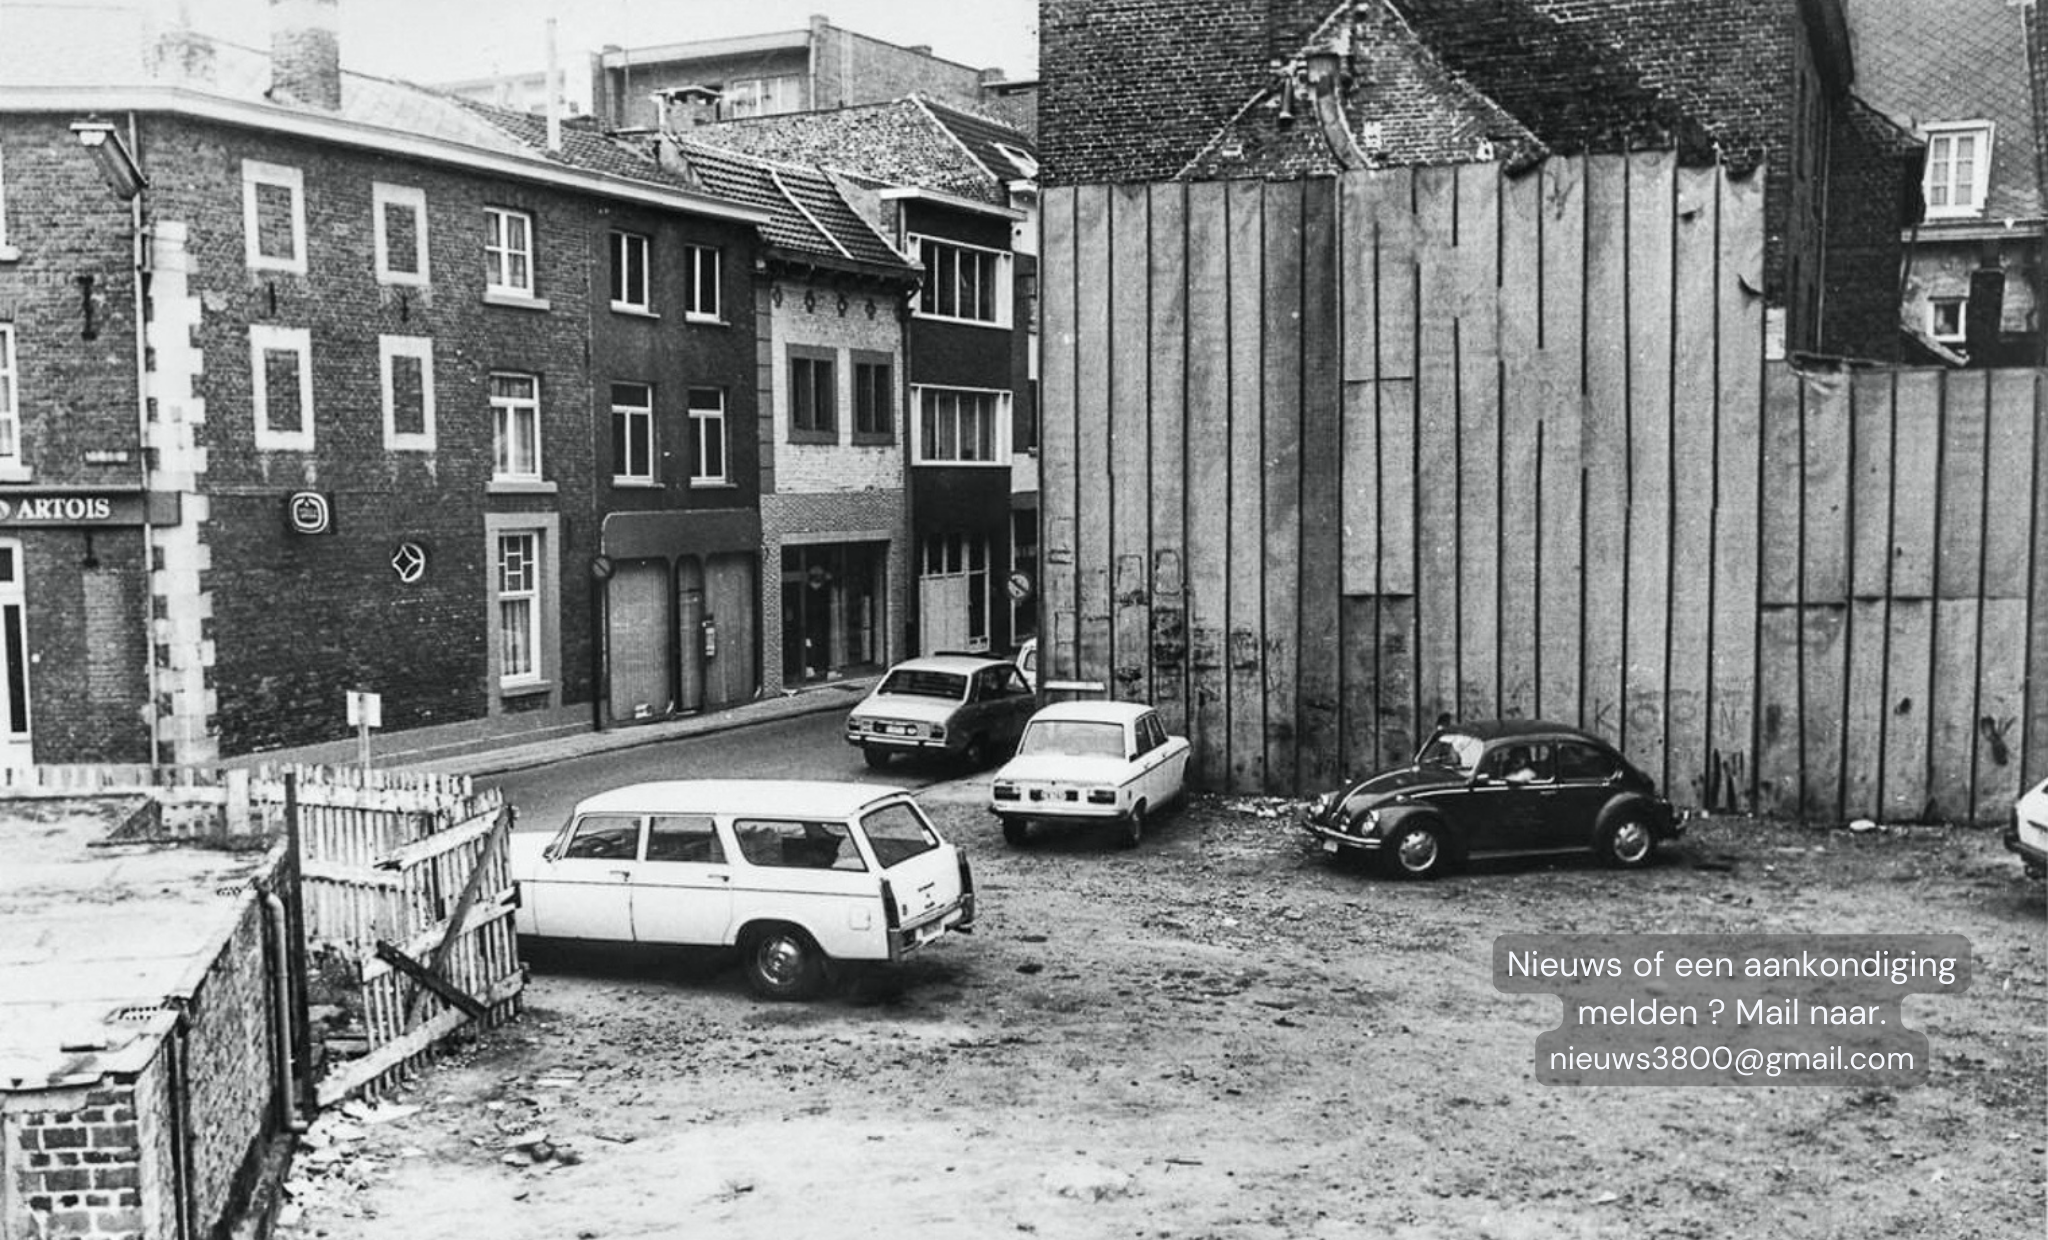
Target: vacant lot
1221 1034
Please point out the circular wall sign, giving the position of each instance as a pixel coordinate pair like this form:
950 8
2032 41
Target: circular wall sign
1020 585
600 568
310 513
409 562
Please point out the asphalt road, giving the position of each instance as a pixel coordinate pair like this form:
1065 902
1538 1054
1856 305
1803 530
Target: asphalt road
806 747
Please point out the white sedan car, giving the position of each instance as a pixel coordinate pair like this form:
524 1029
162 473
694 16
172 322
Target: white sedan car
1091 760
2028 833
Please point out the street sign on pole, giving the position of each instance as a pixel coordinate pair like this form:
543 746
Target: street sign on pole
365 711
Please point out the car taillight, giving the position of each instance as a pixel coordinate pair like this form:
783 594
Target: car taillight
1102 796
1006 792
892 917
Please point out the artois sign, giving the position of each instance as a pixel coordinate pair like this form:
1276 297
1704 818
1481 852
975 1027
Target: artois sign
22 507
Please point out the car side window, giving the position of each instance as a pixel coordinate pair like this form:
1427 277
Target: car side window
604 837
786 845
684 837
1013 682
1583 764
1155 731
1524 762
1142 738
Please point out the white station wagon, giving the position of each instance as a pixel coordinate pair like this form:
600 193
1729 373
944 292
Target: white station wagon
793 873
1090 760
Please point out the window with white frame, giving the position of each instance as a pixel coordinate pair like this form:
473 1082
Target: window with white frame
10 401
508 252
629 272
400 223
703 301
761 96
274 217
1958 168
632 433
408 366
707 419
515 427
964 283
518 579
959 426
281 387
1945 321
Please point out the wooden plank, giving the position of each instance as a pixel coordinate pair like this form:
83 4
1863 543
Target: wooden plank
1130 446
1437 550
2009 548
1952 762
1359 620
1603 445
1399 687
1520 574
1915 490
1560 404
1958 581
1690 616
1322 455
1245 447
1093 483
1280 423
1056 431
348 1077
1358 270
1824 481
2035 739
1652 187
1779 779
1782 493
1823 630
1864 706
1167 276
1909 684
1476 285
2001 706
1208 473
2008 484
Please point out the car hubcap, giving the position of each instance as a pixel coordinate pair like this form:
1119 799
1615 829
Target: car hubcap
1418 850
781 960
1631 841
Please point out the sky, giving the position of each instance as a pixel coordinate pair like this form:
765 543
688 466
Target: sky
450 40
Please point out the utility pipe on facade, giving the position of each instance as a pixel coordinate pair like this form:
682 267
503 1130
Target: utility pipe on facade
285 1078
139 241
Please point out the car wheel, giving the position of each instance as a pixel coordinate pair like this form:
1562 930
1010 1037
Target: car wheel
979 756
1416 851
1627 842
782 963
1133 829
877 758
1014 831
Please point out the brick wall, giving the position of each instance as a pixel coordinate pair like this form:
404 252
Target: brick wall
852 68
228 1044
77 1161
843 516
820 315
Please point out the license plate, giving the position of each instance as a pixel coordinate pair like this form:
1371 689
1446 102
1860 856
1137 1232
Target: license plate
1329 846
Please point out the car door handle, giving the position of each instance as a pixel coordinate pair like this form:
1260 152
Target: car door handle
621 875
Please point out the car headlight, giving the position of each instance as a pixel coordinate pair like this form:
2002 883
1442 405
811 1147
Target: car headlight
1320 807
938 731
1366 823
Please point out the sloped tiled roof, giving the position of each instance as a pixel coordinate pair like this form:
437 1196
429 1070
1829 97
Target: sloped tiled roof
912 142
1959 60
807 213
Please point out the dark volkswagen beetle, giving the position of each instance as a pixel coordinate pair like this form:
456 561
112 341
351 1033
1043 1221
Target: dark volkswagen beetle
1498 787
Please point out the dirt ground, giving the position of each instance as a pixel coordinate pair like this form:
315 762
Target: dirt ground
1222 1034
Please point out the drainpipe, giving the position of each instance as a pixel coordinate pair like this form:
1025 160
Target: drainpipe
281 1014
140 262
178 1047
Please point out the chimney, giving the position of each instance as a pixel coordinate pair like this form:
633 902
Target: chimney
1982 313
305 53
554 89
679 109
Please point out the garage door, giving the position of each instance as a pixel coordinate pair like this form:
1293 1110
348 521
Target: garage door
639 645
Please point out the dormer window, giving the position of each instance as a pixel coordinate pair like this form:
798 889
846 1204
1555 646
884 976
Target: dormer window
1958 169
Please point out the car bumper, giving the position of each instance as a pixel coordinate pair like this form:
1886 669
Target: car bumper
899 744
2033 854
956 917
1056 805
1333 840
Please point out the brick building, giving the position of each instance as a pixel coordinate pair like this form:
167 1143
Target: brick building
1756 87
956 190
1957 75
310 402
817 68
830 294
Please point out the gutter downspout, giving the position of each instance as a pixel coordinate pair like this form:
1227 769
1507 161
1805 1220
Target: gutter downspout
177 1044
284 1078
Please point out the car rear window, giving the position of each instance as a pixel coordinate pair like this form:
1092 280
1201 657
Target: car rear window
794 845
907 683
897 833
1073 738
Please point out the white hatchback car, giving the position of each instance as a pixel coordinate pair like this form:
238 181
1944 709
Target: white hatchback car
2028 834
1090 760
793 873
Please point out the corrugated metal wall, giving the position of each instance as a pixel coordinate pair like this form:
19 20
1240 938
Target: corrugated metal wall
1325 460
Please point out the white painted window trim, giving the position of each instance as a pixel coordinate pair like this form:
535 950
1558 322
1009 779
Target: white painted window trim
1980 179
255 173
695 256
700 418
641 415
1961 333
497 264
542 630
620 241
1004 272
264 338
389 348
999 433
506 407
383 194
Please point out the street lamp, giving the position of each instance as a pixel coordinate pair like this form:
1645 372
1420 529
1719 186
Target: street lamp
111 154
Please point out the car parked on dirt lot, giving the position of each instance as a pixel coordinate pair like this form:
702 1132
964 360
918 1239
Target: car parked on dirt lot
2028 834
796 874
1501 787
1027 661
1090 761
951 705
